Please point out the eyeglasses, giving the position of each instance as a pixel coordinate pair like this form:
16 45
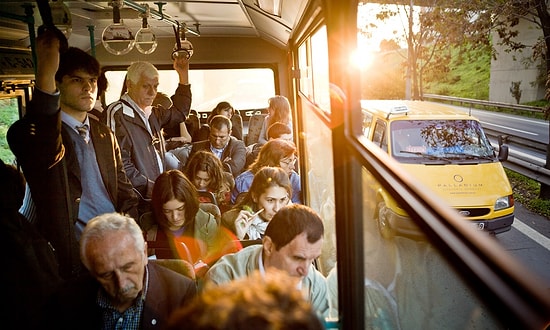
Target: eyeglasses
290 161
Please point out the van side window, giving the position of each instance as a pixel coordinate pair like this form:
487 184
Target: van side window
379 136
367 123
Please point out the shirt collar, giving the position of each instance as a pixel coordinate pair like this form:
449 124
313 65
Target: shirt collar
73 123
144 112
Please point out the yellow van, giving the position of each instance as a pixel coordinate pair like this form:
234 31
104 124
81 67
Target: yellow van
447 151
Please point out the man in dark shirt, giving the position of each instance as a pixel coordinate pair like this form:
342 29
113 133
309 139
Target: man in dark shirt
227 148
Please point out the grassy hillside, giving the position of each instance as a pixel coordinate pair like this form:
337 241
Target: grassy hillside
468 76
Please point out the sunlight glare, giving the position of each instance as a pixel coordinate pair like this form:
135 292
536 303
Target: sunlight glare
361 58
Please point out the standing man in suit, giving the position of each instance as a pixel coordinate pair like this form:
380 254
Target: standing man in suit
230 150
71 162
138 125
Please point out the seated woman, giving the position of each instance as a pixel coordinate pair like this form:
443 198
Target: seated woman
275 131
177 219
278 111
205 171
279 153
270 191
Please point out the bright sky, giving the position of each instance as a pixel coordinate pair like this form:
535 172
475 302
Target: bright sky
388 29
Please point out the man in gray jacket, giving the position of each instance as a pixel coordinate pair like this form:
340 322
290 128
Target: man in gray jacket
293 239
138 125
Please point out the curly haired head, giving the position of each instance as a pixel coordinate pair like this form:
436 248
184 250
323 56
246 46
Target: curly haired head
257 302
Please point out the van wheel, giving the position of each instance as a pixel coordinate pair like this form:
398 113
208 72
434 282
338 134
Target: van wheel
383 226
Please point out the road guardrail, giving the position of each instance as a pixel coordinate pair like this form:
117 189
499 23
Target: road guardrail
500 105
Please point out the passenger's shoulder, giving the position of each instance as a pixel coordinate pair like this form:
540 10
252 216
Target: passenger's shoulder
236 142
244 176
94 122
157 272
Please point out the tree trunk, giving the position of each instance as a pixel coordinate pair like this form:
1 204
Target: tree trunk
544 18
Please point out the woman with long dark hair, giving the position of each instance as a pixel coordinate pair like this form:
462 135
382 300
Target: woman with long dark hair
177 218
270 190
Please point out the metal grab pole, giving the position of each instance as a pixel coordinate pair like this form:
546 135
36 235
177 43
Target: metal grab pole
91 29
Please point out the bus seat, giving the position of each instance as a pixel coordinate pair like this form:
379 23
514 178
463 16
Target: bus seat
254 128
212 209
145 221
207 197
193 124
178 265
237 124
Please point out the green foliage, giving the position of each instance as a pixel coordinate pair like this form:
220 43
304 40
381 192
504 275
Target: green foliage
540 206
8 115
526 192
468 75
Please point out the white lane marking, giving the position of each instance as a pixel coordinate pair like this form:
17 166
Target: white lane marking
517 118
531 233
495 114
510 128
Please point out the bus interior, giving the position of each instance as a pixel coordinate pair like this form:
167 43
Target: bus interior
244 51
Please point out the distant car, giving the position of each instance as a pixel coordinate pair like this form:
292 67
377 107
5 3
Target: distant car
447 151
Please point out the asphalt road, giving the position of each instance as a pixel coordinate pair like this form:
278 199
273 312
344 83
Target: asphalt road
529 241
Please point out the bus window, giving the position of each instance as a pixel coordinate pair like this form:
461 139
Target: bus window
408 278
320 186
245 89
313 66
9 113
319 68
316 148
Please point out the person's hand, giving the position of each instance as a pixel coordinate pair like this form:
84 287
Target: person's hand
47 56
181 139
243 222
181 64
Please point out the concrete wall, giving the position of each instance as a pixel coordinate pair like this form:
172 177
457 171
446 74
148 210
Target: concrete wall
512 66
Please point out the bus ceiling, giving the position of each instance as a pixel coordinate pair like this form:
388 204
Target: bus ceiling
270 20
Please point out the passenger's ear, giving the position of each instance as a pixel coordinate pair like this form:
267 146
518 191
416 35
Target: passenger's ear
267 245
146 260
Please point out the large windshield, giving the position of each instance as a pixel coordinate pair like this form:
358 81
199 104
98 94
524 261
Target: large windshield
439 139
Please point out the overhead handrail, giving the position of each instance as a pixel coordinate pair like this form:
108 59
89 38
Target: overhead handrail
158 15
